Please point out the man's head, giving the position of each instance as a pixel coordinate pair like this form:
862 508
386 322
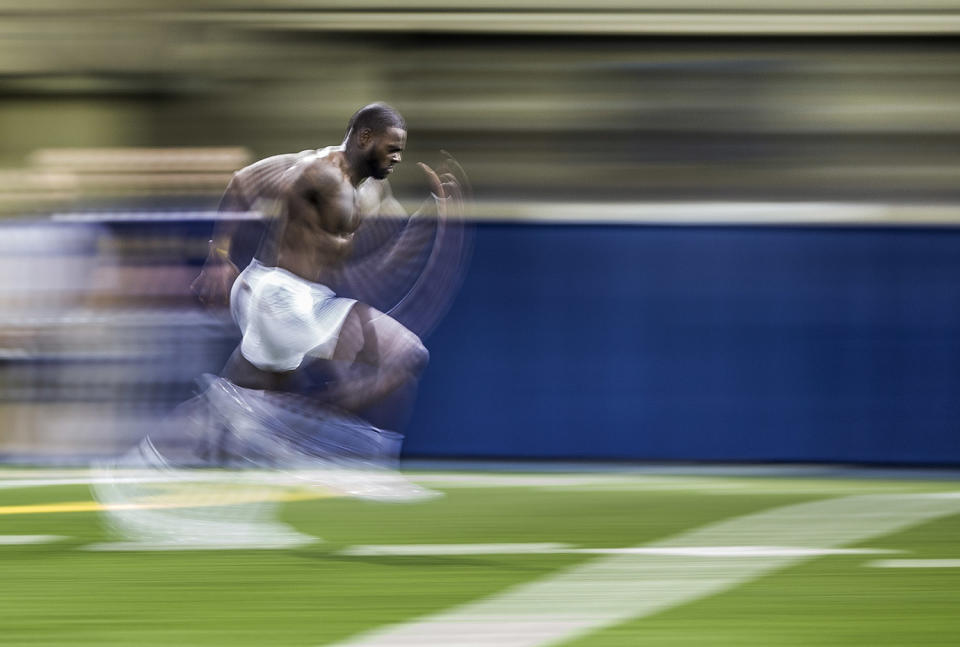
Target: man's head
376 135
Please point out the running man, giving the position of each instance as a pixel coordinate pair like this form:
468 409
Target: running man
319 383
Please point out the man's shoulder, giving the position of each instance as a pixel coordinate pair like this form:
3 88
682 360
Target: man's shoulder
320 172
280 171
272 164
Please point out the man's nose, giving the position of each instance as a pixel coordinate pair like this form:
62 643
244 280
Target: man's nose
395 158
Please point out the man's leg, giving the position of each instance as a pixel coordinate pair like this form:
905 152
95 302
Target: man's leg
373 372
373 375
376 365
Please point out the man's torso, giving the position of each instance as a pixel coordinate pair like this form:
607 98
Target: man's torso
310 232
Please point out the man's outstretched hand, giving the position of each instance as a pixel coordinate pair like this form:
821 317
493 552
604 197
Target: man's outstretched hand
216 278
449 184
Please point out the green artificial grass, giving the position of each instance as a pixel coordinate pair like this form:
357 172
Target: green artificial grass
55 594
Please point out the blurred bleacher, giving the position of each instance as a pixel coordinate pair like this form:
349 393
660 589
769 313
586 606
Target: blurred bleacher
611 101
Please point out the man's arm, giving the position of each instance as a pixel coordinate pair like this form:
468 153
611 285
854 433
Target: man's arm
424 303
216 278
389 236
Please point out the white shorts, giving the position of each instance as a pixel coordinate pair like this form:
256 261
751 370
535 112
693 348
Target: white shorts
284 318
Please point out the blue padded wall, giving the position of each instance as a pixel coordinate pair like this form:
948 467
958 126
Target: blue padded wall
699 343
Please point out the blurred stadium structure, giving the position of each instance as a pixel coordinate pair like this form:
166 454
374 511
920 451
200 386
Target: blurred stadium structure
122 121
615 101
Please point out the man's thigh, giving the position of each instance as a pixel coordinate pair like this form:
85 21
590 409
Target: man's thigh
373 337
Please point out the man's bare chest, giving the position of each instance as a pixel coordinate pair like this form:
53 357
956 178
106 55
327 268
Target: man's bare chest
345 213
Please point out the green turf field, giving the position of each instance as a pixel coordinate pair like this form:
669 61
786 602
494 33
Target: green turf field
715 561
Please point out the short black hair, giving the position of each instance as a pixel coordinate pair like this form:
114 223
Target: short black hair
377 117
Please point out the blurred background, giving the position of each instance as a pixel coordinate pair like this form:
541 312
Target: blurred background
704 231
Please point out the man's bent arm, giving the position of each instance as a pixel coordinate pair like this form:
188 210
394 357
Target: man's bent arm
216 278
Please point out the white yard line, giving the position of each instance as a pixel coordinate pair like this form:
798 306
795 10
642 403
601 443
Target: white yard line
20 540
29 483
629 480
456 549
553 548
446 479
735 551
255 539
617 588
915 563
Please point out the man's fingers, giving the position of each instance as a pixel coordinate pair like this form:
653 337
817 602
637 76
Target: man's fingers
449 182
453 187
436 187
450 162
452 191
453 205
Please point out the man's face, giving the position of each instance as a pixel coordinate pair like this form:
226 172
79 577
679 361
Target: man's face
386 151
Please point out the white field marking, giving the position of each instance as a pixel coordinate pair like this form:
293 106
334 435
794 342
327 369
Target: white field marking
19 540
559 548
915 563
720 484
456 549
525 480
10 480
613 589
737 551
614 481
553 482
587 482
28 483
255 542
283 478
33 472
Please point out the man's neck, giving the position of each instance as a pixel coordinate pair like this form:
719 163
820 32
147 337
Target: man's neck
354 167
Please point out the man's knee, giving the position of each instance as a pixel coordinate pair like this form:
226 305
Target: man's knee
417 356
387 343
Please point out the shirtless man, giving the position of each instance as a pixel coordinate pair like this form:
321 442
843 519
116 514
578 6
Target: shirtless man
290 319
351 361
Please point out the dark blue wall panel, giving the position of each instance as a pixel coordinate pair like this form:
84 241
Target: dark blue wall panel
699 343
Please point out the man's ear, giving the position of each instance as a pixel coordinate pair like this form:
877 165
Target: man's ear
364 137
